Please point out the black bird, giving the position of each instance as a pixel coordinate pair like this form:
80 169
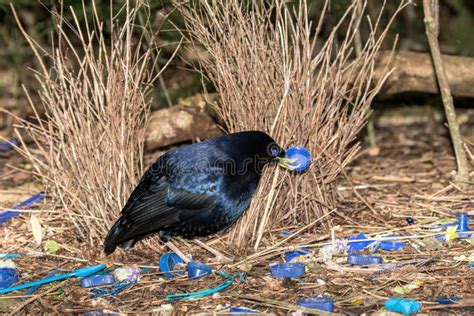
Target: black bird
197 190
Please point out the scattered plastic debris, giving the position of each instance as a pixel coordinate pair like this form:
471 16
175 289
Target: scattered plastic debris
462 223
8 273
168 262
300 255
327 252
447 300
358 242
364 260
451 233
390 245
229 280
98 280
402 305
9 144
51 246
407 288
80 273
321 303
9 256
33 289
30 202
127 273
242 311
286 270
198 270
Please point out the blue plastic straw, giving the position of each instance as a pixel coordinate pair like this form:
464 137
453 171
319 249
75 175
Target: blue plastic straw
31 201
9 256
31 290
79 273
207 292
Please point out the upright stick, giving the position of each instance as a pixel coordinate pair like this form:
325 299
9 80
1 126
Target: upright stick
431 10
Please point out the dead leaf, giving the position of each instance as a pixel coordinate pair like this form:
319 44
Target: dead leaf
36 229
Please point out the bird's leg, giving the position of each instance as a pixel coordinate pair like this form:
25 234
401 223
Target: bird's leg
219 256
176 250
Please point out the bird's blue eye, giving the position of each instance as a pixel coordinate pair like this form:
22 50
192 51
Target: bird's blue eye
274 152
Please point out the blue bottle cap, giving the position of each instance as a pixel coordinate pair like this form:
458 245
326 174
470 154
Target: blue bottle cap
364 260
198 270
287 269
100 312
8 276
302 156
390 245
168 261
402 305
242 311
321 303
355 245
97 280
290 255
462 223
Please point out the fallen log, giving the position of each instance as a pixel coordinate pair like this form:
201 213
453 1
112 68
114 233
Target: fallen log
414 72
184 122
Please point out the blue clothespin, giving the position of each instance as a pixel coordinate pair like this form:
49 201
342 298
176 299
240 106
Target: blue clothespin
79 273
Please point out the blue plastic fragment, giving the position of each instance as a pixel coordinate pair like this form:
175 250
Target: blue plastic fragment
290 255
402 305
33 289
242 310
355 245
321 303
9 144
462 223
364 260
471 264
79 273
168 262
31 201
8 276
447 300
198 270
97 280
287 270
410 220
390 245
9 256
302 156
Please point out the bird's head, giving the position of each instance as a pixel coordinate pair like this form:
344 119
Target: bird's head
279 154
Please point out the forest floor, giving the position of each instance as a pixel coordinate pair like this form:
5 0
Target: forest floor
405 190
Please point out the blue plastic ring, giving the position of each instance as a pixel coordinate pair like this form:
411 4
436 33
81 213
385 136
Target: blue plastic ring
168 261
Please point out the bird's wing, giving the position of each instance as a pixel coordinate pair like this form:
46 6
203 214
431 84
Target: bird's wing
162 200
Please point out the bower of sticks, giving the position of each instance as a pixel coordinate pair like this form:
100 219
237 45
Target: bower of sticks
380 93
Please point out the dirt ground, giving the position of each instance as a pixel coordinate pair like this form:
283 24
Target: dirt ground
411 177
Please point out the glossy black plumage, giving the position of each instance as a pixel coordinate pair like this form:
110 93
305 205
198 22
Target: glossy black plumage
197 190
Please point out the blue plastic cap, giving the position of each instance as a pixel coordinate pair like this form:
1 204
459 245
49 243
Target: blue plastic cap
168 261
8 276
402 305
355 245
390 245
462 223
242 311
100 312
302 155
364 260
198 270
290 255
98 280
287 270
321 303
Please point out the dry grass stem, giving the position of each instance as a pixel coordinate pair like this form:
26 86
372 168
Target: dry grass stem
274 73
89 141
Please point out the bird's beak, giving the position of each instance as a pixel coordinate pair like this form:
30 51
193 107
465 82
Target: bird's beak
286 162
